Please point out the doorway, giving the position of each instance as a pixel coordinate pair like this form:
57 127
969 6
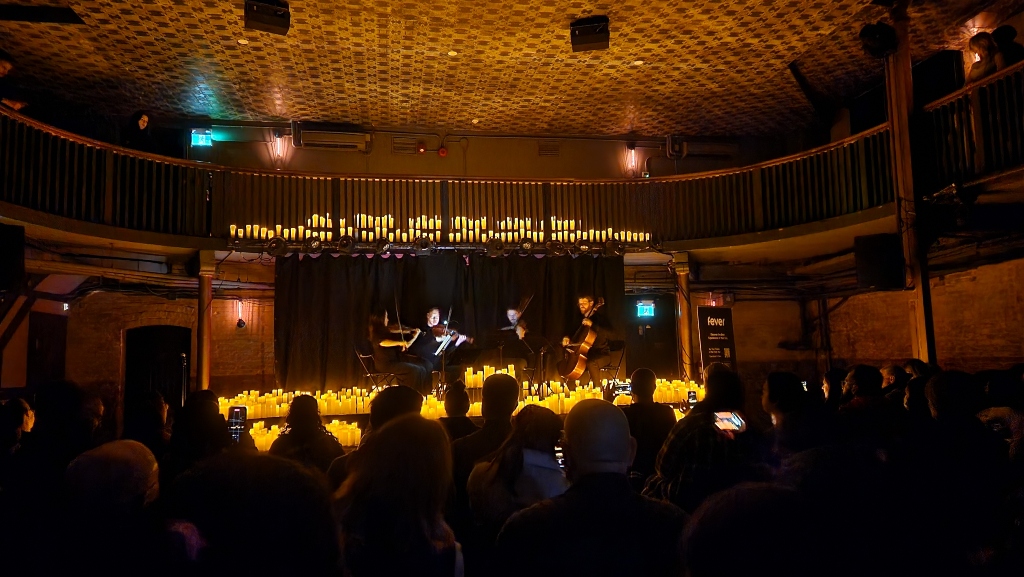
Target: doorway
157 358
651 339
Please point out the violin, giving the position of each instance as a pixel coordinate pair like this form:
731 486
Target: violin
441 331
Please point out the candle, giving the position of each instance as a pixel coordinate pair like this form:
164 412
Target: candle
277 229
263 232
316 219
329 234
233 229
293 232
302 234
348 231
248 231
323 222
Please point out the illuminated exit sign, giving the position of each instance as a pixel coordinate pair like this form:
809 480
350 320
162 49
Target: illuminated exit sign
645 308
202 137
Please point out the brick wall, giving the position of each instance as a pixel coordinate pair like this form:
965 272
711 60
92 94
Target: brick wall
241 358
979 315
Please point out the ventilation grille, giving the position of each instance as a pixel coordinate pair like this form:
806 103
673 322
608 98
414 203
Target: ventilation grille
548 148
403 145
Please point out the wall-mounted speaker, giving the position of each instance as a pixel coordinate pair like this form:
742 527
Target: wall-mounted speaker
12 257
880 263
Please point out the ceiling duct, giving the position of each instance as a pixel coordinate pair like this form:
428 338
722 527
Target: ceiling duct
322 135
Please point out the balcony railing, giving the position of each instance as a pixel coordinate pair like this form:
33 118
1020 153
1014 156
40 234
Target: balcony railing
976 131
51 171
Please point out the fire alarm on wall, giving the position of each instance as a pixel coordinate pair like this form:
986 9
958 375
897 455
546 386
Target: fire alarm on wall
442 152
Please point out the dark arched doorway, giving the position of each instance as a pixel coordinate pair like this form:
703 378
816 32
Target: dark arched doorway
157 358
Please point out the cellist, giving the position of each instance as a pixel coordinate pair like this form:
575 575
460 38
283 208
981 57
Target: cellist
599 355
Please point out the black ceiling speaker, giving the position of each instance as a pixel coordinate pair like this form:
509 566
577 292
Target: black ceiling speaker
879 261
590 33
879 39
12 257
277 246
270 16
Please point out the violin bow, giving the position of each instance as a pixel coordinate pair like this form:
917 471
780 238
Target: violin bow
398 317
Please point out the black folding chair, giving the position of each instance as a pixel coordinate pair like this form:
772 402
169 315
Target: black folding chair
611 372
379 379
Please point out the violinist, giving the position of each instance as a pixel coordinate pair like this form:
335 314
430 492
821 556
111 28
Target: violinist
390 345
437 332
599 355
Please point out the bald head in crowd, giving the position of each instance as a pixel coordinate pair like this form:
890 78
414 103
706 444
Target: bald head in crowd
500 397
597 439
118 474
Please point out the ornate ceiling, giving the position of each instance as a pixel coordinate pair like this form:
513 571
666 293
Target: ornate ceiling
712 67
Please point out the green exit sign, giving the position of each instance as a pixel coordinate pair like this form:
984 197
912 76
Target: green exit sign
202 137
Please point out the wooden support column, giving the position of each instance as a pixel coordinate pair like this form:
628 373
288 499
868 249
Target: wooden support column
900 102
204 332
684 316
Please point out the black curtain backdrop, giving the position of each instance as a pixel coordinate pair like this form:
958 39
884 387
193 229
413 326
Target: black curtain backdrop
321 304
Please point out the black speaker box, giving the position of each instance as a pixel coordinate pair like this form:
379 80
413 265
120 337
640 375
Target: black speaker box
590 33
270 16
12 257
880 263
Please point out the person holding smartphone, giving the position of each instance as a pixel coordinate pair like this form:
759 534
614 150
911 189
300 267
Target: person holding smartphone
709 450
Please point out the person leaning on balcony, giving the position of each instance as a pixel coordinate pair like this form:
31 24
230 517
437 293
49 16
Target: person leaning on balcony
989 58
7 93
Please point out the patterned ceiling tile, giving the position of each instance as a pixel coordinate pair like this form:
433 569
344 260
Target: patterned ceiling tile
711 67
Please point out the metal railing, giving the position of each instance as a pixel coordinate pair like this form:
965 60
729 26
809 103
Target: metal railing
976 131
59 173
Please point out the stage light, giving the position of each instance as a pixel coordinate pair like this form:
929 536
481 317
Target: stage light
583 246
277 246
526 247
423 246
555 248
345 244
495 247
614 248
382 246
312 245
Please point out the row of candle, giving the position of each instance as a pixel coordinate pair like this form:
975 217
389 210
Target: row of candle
475 379
275 404
348 434
356 401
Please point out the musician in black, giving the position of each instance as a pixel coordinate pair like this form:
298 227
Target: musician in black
390 353
599 355
434 336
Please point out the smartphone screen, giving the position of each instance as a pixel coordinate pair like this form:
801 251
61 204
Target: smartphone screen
691 397
236 421
804 383
559 456
729 422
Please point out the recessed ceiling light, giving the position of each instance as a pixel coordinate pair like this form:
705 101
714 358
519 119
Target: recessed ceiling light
243 41
638 63
476 121
452 53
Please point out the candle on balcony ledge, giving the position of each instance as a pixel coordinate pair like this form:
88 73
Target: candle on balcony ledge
233 229
263 233
316 219
248 231
302 232
329 235
292 229
277 229
323 222
391 237
241 233
348 231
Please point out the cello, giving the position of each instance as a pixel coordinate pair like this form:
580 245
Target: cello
574 363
